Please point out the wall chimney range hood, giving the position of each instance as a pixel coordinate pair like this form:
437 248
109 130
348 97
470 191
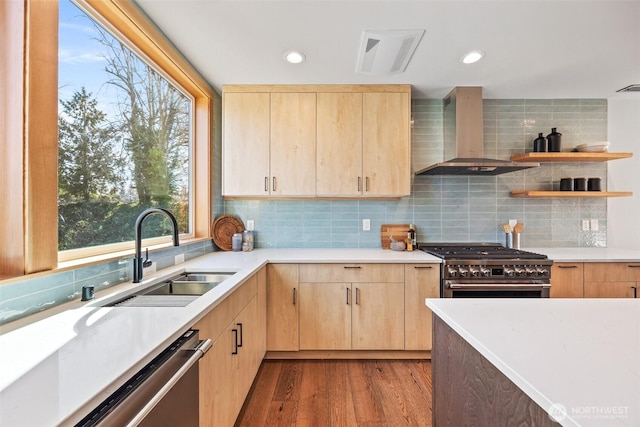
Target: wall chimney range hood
463 139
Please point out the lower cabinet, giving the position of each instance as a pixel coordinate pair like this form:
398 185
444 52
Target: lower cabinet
282 307
421 281
567 280
611 280
227 370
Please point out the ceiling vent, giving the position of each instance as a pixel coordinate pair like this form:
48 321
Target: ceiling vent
630 88
387 51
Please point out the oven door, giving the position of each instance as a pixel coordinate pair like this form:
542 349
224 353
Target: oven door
511 289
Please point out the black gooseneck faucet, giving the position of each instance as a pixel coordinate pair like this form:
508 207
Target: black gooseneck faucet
138 263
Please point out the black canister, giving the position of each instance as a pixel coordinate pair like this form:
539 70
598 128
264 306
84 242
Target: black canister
580 184
540 144
554 141
566 184
594 184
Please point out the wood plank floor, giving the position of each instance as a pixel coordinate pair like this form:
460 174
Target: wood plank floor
339 393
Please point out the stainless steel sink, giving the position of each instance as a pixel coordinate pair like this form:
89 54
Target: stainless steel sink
178 291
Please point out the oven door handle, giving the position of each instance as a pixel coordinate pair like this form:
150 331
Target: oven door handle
497 285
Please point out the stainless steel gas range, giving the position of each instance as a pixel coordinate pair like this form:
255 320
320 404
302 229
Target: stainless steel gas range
490 270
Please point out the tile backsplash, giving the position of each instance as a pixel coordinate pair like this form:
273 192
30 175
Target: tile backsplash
460 208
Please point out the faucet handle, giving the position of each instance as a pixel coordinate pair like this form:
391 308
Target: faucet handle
147 262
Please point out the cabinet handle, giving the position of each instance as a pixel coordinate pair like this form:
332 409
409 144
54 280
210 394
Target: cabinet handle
422 266
353 266
366 184
567 266
294 296
239 325
635 291
359 184
273 186
633 266
235 341
357 296
348 293
266 183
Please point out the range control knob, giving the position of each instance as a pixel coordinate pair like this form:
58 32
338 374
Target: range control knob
452 272
475 271
464 272
520 272
485 272
531 271
542 272
509 272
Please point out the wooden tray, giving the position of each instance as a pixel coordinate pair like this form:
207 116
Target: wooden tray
223 229
398 231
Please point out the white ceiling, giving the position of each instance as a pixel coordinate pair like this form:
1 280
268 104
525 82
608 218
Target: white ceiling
534 49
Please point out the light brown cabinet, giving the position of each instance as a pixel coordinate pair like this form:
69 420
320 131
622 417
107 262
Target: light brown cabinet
611 280
317 141
227 371
246 123
363 144
269 142
567 280
351 307
421 281
282 307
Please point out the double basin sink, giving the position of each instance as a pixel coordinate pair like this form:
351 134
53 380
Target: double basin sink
179 291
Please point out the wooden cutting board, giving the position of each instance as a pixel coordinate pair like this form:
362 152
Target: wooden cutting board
398 231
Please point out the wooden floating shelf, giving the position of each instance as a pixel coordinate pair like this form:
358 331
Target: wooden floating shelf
568 194
568 156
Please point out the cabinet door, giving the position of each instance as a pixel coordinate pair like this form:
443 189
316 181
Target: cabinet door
386 144
245 130
217 382
248 359
293 144
377 319
339 151
567 280
612 272
325 316
610 289
421 281
282 307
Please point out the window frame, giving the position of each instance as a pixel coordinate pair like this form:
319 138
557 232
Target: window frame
33 36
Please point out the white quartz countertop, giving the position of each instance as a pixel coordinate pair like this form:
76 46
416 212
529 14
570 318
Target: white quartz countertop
582 354
589 254
57 369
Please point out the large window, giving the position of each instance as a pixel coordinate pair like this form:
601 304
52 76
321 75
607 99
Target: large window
141 136
124 138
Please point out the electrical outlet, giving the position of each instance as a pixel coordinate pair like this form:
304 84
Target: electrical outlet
594 225
178 259
512 223
366 224
250 225
585 225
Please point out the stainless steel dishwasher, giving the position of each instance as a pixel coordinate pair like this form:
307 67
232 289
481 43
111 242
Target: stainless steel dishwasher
164 392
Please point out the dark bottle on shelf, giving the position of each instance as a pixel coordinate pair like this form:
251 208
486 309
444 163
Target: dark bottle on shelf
554 141
540 144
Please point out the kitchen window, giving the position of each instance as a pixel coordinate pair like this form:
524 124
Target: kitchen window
99 123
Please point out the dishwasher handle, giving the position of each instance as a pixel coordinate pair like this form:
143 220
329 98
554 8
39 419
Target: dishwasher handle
198 352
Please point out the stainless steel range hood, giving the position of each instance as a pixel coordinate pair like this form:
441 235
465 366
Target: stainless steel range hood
463 139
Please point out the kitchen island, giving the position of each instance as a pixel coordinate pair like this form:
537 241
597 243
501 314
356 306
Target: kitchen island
541 362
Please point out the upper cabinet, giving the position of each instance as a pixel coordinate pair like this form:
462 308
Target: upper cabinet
330 141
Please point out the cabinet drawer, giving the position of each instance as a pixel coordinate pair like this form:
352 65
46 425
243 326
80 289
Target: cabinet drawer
612 271
351 273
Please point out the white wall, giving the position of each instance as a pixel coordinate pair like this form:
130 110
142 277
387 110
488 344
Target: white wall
623 214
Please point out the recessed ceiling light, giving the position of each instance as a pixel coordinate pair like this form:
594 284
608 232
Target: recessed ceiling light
294 57
472 57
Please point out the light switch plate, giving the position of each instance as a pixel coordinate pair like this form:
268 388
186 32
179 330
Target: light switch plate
585 225
594 225
366 224
250 225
